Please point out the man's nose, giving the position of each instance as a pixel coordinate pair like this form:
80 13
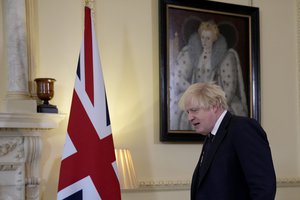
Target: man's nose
190 116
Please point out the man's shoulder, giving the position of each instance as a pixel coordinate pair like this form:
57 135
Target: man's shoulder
241 120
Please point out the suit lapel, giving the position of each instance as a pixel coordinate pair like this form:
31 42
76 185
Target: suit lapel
221 133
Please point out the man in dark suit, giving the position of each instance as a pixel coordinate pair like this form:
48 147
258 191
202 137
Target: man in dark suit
236 161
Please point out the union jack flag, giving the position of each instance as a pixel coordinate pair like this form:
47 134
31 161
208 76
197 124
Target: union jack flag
88 169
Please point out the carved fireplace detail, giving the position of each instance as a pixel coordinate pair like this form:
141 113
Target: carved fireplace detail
20 149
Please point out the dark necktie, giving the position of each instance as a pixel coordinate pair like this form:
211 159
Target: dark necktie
206 146
205 150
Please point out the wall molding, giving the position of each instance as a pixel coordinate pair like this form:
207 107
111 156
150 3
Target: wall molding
298 53
175 185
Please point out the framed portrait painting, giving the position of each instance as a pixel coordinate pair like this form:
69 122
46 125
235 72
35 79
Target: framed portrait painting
206 41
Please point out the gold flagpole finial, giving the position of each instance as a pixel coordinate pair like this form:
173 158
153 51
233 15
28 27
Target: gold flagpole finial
89 3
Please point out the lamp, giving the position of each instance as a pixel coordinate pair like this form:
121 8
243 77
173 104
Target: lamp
126 173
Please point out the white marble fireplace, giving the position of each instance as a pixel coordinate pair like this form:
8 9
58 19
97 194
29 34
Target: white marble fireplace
21 127
20 149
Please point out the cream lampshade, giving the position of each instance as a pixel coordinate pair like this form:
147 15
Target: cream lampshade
126 173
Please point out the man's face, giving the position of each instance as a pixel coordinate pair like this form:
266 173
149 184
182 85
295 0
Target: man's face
203 120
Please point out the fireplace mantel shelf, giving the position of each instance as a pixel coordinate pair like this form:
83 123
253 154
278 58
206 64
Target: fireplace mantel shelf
30 120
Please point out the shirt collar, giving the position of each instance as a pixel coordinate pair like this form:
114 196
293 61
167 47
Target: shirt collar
217 124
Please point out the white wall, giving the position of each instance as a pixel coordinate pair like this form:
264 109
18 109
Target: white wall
127 34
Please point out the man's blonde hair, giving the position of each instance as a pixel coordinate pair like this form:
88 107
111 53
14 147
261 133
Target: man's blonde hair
203 95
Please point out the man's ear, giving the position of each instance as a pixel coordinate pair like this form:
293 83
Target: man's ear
215 108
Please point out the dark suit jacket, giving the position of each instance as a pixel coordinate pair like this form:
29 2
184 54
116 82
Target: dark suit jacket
238 166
